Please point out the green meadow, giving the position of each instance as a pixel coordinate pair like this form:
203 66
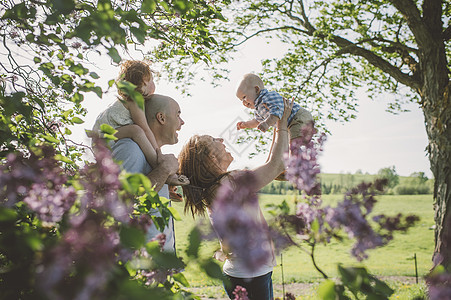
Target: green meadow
394 259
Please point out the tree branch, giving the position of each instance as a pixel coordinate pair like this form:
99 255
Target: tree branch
261 31
432 17
351 48
413 17
304 21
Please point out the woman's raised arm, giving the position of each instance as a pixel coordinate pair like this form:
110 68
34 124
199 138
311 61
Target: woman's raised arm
270 170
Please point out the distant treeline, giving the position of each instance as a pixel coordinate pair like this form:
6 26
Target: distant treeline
415 184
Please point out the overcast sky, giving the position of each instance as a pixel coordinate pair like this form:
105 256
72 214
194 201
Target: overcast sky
375 140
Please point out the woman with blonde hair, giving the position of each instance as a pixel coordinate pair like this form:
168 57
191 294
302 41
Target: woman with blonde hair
229 199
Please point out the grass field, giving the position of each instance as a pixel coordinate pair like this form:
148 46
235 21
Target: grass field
395 259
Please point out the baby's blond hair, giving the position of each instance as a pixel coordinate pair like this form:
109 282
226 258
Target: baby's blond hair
252 80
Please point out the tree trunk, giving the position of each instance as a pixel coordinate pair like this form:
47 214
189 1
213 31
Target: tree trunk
439 133
436 104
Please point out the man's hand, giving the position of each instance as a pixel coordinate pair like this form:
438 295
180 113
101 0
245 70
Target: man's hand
263 126
167 162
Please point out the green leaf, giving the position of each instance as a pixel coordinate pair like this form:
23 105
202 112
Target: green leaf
315 226
139 34
112 52
179 277
139 99
132 237
64 6
109 137
148 6
34 243
212 269
163 259
132 182
105 128
194 243
77 98
77 120
62 158
66 113
78 69
37 60
50 139
147 184
326 290
7 214
175 213
94 75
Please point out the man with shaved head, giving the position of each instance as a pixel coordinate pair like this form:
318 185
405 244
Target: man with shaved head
163 118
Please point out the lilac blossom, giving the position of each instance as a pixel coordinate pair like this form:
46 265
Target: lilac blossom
240 293
351 215
142 222
88 252
101 185
15 179
147 271
302 165
439 284
236 220
161 238
50 204
40 182
76 45
156 276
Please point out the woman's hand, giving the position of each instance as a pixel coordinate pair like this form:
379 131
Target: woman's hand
288 106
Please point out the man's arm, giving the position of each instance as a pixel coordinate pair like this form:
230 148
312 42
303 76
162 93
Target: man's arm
133 160
167 164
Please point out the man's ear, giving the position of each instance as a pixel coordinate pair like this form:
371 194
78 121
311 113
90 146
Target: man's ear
257 89
161 118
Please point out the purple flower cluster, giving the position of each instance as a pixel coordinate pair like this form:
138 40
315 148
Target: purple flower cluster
156 276
79 266
237 221
50 205
240 293
142 222
101 186
161 238
302 165
147 271
87 253
352 216
439 284
40 182
349 216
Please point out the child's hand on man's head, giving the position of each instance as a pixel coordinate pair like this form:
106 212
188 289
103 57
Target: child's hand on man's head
263 126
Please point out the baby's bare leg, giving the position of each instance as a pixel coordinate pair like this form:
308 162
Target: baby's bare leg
136 133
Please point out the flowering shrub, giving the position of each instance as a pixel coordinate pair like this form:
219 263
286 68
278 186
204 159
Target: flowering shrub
439 283
79 236
240 293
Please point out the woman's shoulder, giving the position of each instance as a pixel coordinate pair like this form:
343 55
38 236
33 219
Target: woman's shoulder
231 176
